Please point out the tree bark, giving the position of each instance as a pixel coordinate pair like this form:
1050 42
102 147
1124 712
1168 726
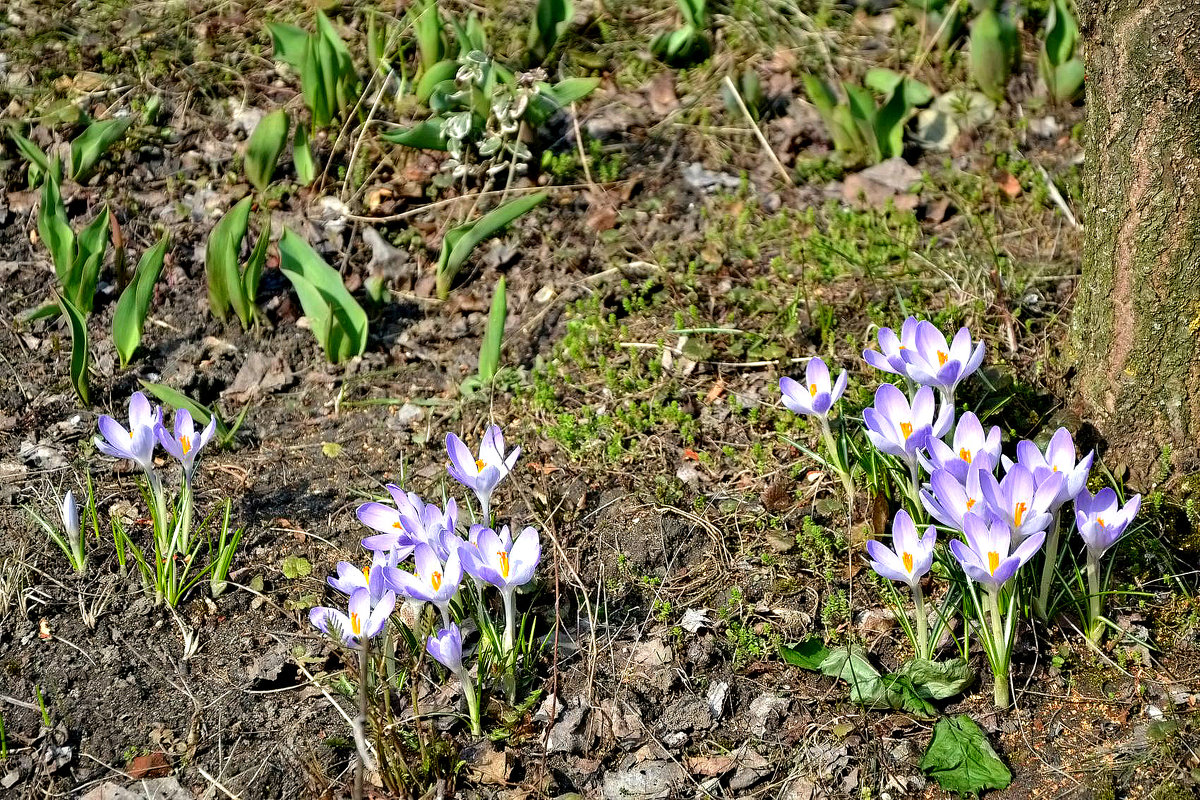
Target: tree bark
1136 322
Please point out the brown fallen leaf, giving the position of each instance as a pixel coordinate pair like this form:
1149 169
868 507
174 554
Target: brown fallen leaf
150 765
709 766
661 93
1009 184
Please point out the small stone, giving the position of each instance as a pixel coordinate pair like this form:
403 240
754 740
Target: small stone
766 711
563 737
652 653
650 780
694 619
550 709
717 692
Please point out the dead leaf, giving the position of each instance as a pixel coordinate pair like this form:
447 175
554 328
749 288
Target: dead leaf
710 766
1009 184
716 391
661 93
150 765
44 629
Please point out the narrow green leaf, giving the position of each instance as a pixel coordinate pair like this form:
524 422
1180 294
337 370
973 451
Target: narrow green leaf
289 42
427 26
56 231
253 270
129 319
90 146
489 352
961 759
92 244
441 71
79 348
460 241
176 399
336 317
889 122
302 157
990 58
427 135
39 162
549 22
221 258
808 654
264 146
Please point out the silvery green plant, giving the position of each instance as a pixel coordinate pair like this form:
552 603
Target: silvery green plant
454 567
1059 65
169 565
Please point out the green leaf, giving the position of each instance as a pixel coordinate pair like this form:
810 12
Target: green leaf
439 72
549 21
91 245
79 348
808 654
961 760
550 99
898 692
460 241
221 259
289 42
39 162
852 666
884 80
90 145
889 122
200 413
129 319
302 157
56 232
1061 33
990 56
264 146
337 319
296 567
1064 82
938 680
253 269
489 352
426 135
427 27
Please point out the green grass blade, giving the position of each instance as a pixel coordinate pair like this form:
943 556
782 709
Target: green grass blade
489 353
302 157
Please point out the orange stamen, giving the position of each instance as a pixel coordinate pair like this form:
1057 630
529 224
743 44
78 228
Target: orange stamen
970 502
965 455
993 562
187 444
942 358
1100 522
1019 512
908 562
503 562
436 580
479 464
906 429
355 624
397 525
812 389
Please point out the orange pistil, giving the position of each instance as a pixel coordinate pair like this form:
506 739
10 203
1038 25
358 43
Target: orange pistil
367 573
1019 513
397 525
503 562
186 443
812 389
993 562
355 624
479 465
436 580
965 455
906 429
970 502
942 358
908 562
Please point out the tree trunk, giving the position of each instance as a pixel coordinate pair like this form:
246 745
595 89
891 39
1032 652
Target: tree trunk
1136 322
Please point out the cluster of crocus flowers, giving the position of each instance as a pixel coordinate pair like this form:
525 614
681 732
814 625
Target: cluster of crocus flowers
1002 512
441 557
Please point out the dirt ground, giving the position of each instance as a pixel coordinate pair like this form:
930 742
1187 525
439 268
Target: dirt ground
653 305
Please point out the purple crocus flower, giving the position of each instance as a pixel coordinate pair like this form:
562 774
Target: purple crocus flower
365 619
971 448
375 578
185 444
818 395
446 648
985 556
136 443
1020 500
910 555
500 560
890 357
1059 457
1101 519
68 509
897 428
432 581
949 501
481 475
933 362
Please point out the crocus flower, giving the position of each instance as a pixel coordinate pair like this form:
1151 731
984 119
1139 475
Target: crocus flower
365 619
971 448
985 556
136 443
68 509
1059 457
446 648
482 474
1101 519
818 395
185 444
1020 500
500 560
890 357
374 578
431 581
910 555
933 362
899 429
949 501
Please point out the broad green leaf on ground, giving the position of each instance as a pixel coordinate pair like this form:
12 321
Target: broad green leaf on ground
79 348
289 42
938 680
807 654
898 692
338 321
852 666
89 146
884 80
134 304
56 231
961 759
444 70
460 241
427 135
264 146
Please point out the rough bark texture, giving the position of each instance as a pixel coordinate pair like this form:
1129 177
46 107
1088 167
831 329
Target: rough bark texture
1136 323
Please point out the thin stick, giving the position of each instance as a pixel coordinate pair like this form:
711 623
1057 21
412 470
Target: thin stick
758 133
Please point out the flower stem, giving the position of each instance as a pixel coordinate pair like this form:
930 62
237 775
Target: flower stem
510 621
361 722
1093 581
836 462
1041 604
998 652
914 489
468 687
922 623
